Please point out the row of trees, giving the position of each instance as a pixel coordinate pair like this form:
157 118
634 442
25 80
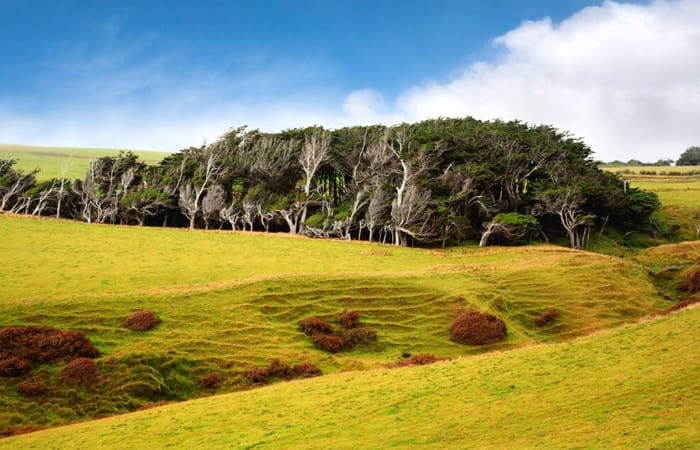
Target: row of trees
430 183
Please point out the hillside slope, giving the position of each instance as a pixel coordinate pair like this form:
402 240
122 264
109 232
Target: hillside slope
633 387
230 301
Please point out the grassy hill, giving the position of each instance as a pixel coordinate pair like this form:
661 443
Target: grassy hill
634 387
51 160
230 301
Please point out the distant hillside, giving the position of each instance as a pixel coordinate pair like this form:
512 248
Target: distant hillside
635 387
51 159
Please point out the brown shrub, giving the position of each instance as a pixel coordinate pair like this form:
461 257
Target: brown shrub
80 371
328 342
547 317
678 306
314 325
358 336
24 345
306 370
13 366
276 369
475 328
210 381
145 320
257 375
349 319
31 388
691 284
152 405
421 359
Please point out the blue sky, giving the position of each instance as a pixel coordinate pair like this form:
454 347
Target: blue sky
165 75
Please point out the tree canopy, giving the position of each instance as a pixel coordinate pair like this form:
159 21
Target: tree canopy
431 183
690 157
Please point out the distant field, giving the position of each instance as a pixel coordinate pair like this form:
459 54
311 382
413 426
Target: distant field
51 160
229 301
635 387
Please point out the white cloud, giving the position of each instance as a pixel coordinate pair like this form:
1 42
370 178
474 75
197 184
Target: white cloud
624 77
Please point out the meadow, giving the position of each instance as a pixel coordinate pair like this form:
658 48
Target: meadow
229 301
632 387
75 160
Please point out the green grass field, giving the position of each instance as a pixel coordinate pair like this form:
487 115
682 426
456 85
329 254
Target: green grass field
51 160
229 301
634 387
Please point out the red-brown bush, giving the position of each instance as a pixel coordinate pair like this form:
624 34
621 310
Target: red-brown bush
328 342
691 284
349 319
257 375
358 336
314 325
210 381
80 371
306 370
421 359
24 345
678 306
547 317
13 366
145 320
475 328
31 388
276 369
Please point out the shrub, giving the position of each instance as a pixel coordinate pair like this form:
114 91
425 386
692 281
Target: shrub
210 381
80 371
691 284
358 336
314 325
43 345
13 366
677 307
257 375
31 388
421 359
475 328
328 342
349 319
306 370
547 317
141 321
276 369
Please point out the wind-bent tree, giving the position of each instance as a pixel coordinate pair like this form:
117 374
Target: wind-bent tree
511 226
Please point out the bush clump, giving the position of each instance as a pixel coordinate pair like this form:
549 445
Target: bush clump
328 342
691 284
80 371
677 307
145 320
349 319
420 359
314 325
276 369
475 328
257 375
210 381
358 336
306 370
24 345
31 388
547 317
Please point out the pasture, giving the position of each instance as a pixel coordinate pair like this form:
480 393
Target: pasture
229 301
52 160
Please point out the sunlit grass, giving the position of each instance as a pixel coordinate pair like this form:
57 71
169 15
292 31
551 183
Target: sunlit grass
636 387
51 160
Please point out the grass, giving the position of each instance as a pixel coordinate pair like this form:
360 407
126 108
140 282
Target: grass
51 160
229 301
634 387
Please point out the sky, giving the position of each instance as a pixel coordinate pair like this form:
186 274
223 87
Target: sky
623 76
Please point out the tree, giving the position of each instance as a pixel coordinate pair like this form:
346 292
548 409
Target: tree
566 203
511 226
690 157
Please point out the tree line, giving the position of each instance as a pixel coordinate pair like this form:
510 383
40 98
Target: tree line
432 183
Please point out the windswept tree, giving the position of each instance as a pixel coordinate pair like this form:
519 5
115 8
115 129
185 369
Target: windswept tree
690 157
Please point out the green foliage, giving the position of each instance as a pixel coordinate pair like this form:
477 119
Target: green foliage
690 157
